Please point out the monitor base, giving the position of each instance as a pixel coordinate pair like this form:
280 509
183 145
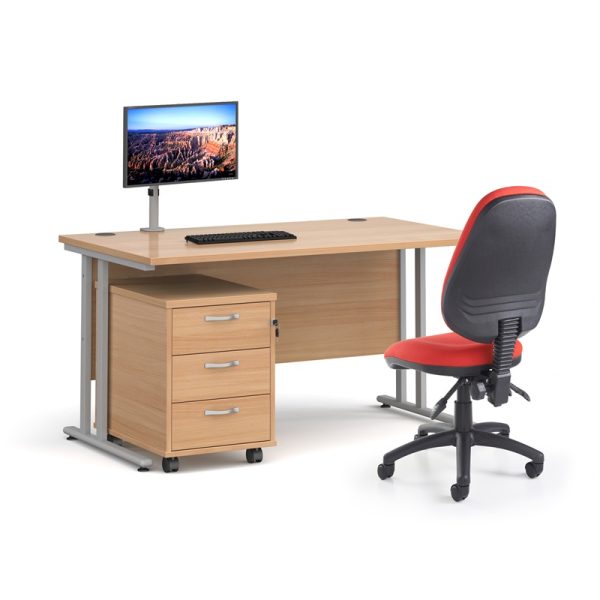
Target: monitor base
152 211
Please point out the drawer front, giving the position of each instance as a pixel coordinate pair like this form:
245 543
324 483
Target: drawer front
221 422
221 375
223 327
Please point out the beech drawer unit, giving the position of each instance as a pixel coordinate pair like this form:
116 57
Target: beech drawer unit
192 367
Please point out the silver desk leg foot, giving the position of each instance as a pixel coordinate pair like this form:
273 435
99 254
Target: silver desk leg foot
136 458
413 408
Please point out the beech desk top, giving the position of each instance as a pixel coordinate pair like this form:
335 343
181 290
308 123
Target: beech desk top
338 236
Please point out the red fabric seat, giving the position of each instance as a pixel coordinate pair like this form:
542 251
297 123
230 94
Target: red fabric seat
444 354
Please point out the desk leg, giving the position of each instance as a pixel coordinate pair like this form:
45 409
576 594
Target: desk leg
420 310
83 432
418 407
401 373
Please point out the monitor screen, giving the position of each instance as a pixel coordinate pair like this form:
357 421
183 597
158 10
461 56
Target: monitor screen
180 143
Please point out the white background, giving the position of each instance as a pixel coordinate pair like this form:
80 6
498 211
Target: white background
411 110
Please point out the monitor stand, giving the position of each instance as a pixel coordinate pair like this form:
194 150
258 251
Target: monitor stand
153 210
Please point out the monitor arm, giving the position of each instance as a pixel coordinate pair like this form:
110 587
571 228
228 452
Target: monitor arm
152 210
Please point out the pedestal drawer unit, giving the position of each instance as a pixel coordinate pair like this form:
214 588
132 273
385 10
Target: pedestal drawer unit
192 367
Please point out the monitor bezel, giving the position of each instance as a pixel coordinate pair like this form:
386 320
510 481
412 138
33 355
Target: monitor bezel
237 148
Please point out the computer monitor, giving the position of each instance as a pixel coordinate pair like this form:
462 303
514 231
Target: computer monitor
178 143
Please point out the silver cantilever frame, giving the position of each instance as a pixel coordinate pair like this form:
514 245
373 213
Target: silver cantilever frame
400 401
99 438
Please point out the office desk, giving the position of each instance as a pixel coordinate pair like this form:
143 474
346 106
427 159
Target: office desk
341 291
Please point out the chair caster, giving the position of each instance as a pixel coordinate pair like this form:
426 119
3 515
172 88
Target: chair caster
170 465
459 492
385 471
143 469
418 436
70 437
534 470
254 455
385 405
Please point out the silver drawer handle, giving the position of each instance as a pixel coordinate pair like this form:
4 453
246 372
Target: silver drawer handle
231 363
231 317
214 413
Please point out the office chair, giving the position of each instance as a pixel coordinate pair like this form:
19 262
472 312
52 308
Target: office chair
493 294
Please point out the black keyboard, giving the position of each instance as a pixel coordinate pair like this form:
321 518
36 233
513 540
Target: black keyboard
240 236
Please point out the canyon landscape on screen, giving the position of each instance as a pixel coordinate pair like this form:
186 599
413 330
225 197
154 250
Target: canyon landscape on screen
179 143
168 156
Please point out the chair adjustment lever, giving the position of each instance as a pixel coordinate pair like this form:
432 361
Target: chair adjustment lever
478 390
519 391
440 405
438 408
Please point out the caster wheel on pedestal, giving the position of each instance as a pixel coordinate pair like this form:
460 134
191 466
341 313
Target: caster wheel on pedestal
254 455
534 470
170 465
385 406
143 469
70 437
385 471
459 492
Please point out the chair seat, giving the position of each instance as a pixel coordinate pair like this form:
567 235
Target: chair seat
444 354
